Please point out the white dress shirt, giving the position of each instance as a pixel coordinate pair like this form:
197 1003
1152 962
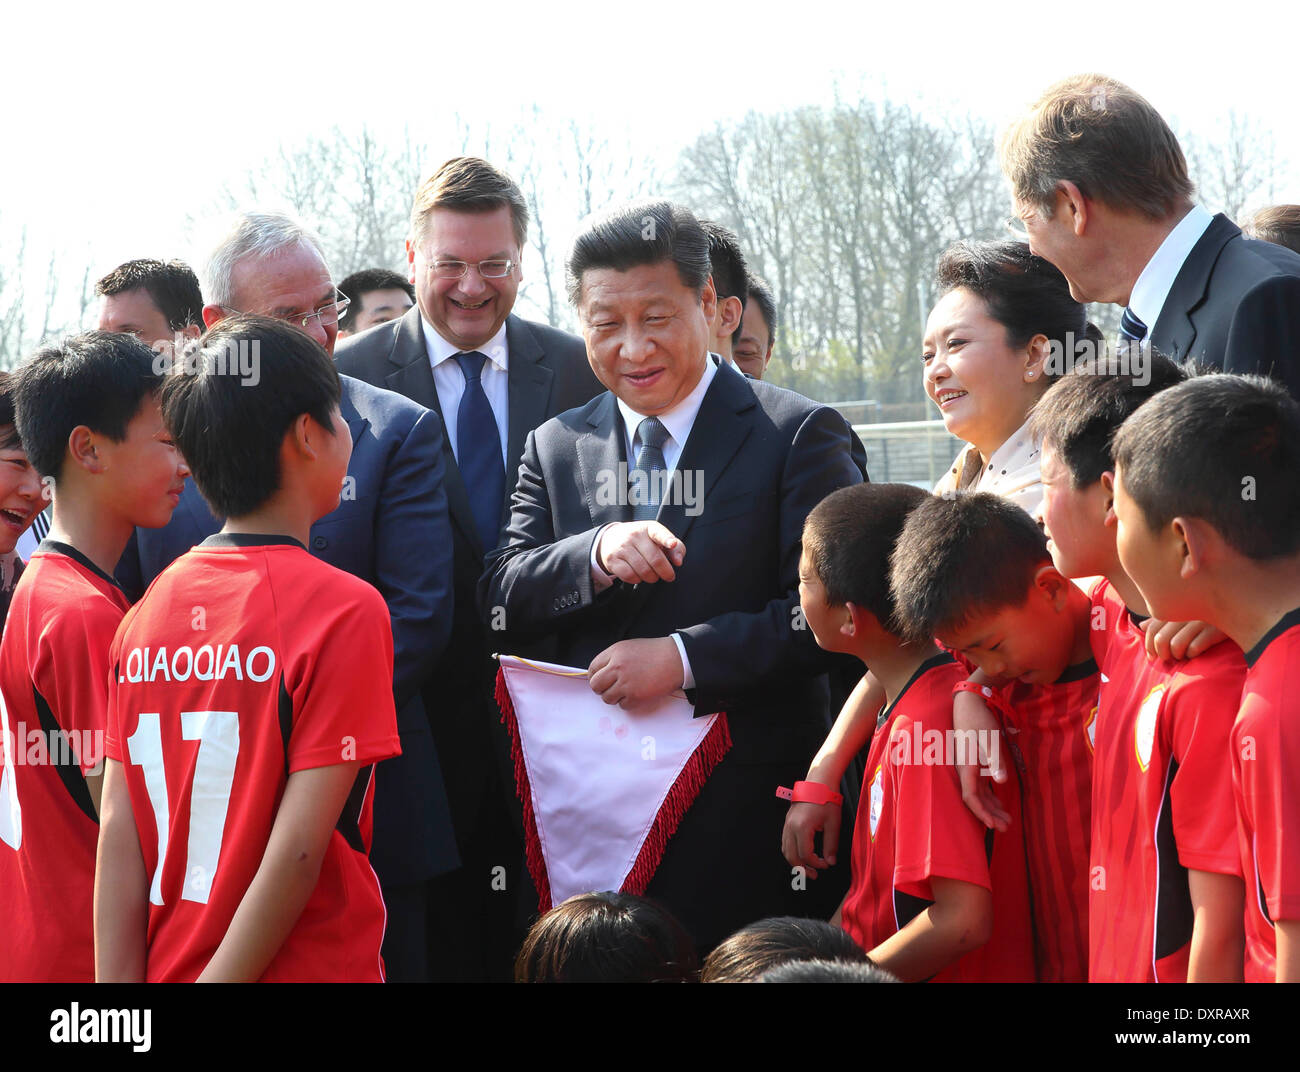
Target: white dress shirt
678 421
1152 287
450 382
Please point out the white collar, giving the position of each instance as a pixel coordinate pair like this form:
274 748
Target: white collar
441 350
1015 454
681 417
1157 278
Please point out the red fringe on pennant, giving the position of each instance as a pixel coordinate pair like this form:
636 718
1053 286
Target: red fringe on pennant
532 843
709 753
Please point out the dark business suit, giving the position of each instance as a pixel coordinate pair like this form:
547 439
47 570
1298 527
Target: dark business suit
766 456
548 373
391 529
1235 306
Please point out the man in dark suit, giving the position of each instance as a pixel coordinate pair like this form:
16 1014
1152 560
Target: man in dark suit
390 529
493 378
1101 187
697 592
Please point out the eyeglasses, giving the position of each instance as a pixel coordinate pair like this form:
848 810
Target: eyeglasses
1016 225
494 269
327 316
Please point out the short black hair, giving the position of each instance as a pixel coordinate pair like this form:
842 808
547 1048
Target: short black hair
754 949
1024 293
1222 448
9 437
727 261
229 425
763 297
173 287
1080 413
607 938
643 232
98 379
826 971
361 283
848 537
959 555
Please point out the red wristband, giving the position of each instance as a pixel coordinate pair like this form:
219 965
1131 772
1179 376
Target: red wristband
810 793
986 693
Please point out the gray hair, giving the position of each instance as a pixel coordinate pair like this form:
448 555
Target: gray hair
252 234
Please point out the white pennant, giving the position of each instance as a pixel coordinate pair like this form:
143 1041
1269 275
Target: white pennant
598 775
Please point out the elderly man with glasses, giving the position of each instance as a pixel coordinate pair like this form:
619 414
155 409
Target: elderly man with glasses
391 529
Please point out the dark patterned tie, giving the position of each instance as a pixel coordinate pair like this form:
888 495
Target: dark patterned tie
650 461
478 450
1131 329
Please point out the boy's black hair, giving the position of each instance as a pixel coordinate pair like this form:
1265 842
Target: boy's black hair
848 537
961 555
826 971
607 938
754 949
229 401
97 379
172 287
9 437
1222 448
1080 413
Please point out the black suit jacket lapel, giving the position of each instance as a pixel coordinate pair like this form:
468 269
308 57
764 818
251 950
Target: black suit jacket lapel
1174 332
602 464
412 376
720 429
722 425
530 381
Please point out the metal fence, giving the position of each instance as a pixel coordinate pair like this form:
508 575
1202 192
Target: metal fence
904 452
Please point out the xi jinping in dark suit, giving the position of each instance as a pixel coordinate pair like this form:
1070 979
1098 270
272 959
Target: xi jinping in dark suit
703 597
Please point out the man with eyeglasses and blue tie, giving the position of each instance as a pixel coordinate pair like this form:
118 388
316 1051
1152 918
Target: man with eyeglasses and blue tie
391 529
492 377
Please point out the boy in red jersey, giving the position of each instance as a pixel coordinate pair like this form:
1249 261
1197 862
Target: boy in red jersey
1165 899
87 413
933 895
249 698
1023 629
1208 513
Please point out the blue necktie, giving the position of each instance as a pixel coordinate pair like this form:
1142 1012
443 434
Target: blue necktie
650 461
478 450
1131 329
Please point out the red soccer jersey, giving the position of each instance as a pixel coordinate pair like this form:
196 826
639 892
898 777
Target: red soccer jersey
912 826
246 661
1052 744
53 695
1266 785
1162 797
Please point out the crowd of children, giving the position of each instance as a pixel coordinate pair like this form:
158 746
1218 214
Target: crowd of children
1043 800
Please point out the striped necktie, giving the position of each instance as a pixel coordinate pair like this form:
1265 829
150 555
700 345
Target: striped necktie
649 461
1131 329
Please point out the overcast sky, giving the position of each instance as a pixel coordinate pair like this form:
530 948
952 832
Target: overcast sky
123 117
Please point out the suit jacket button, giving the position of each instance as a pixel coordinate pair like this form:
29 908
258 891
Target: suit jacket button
319 542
